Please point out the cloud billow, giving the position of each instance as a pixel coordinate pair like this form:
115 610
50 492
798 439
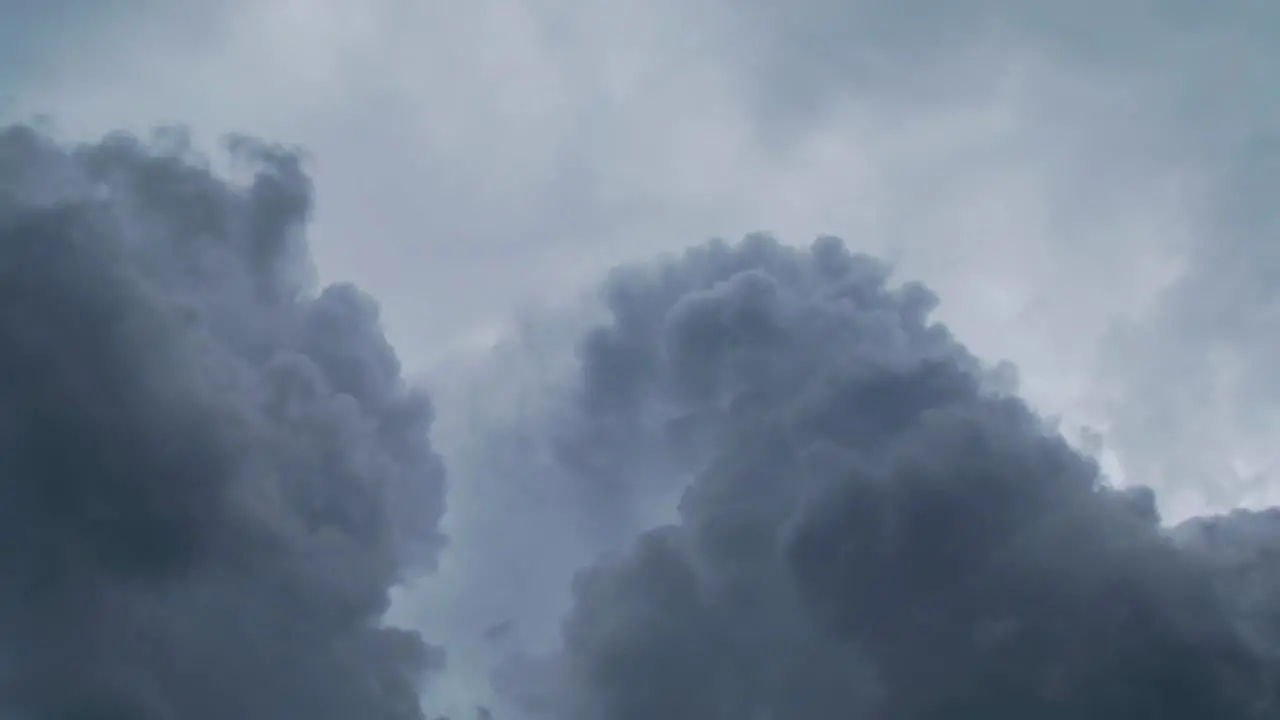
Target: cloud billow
880 528
212 472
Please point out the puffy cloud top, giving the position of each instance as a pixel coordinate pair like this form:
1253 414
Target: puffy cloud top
211 473
879 528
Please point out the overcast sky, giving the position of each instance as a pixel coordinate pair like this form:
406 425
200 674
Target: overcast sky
473 155
1085 183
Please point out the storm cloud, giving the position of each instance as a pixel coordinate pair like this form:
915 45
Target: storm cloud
214 474
880 528
212 470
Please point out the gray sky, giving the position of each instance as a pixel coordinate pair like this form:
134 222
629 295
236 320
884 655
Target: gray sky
1053 169
471 156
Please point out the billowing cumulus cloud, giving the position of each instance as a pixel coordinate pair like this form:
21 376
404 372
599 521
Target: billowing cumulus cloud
880 528
214 474
212 471
875 525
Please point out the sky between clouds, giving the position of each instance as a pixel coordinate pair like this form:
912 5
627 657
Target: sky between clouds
471 155
1054 170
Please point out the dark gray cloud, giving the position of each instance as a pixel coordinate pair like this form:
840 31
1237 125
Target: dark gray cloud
691 340
624 137
586 449
878 528
213 471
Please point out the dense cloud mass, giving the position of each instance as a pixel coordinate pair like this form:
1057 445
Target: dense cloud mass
211 473
879 528
685 343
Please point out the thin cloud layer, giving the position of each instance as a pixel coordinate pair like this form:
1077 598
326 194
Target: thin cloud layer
1191 385
213 472
1124 96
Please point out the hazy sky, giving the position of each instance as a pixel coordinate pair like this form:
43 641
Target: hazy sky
1034 164
1052 168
